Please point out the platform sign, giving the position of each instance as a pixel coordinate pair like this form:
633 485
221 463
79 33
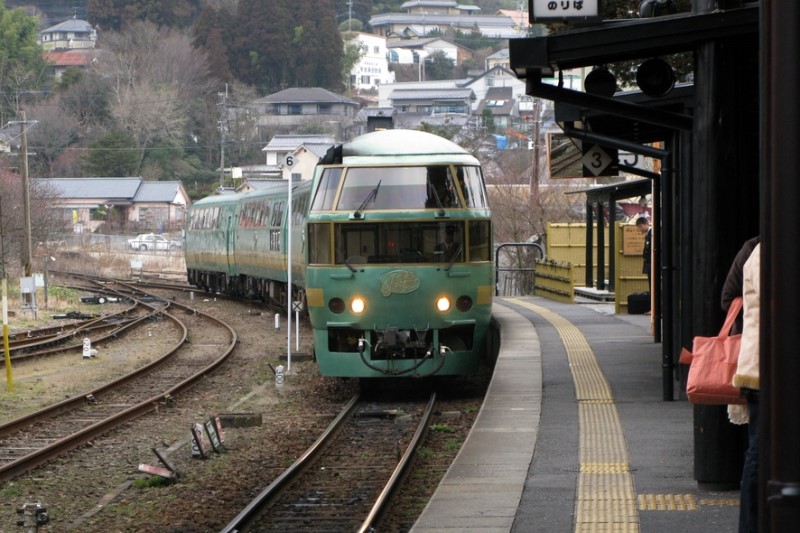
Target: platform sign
549 10
632 240
599 161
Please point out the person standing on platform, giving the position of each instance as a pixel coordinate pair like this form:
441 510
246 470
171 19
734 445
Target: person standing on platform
747 379
647 253
735 280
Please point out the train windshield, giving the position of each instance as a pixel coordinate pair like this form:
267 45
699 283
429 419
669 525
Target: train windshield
400 242
376 188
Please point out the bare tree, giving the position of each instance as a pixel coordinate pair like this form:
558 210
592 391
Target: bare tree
45 221
55 131
156 79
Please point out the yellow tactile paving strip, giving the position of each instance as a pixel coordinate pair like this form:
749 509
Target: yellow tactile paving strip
606 500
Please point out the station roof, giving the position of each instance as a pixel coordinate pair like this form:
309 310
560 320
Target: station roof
631 116
617 191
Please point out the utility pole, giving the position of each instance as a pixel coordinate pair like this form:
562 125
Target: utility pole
350 15
535 138
223 118
27 251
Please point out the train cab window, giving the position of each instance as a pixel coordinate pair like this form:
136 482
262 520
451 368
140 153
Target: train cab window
441 191
319 244
326 190
397 188
471 182
480 240
401 242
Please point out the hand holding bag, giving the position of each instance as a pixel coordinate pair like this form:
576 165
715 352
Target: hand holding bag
714 360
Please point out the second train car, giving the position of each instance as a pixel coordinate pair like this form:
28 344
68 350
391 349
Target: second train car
391 244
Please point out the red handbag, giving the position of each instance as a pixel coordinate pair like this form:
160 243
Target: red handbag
714 360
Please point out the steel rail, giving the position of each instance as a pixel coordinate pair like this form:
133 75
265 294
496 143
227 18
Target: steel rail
245 518
34 459
382 502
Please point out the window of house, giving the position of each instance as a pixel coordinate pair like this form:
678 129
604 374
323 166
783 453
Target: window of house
324 109
295 109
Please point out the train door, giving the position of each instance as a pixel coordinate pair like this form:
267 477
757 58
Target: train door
229 243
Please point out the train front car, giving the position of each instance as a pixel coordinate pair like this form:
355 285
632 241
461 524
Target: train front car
399 279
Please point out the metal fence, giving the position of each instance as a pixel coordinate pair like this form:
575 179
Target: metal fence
515 267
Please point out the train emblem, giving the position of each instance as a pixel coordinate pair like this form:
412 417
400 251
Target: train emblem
399 282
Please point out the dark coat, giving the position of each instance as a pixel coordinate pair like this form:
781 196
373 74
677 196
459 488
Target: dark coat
647 253
734 283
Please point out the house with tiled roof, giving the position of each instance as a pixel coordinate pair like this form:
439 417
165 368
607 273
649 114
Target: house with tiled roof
68 35
132 204
375 118
420 24
500 102
60 60
9 136
306 149
289 109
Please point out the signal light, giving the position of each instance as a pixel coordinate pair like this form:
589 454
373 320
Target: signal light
655 77
336 305
464 303
443 304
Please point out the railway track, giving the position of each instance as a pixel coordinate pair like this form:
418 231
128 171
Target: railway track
55 340
344 481
204 343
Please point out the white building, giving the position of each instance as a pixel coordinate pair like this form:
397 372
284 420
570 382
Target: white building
372 70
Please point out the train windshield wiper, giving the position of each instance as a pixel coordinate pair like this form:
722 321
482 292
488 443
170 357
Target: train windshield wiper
455 255
370 198
431 188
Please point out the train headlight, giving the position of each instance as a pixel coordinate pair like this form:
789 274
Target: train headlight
443 304
357 305
336 305
464 303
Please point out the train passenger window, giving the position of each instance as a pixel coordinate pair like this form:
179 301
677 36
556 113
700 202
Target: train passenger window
326 191
263 213
471 182
480 240
319 244
277 214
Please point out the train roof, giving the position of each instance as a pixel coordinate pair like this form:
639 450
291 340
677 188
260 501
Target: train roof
277 187
403 147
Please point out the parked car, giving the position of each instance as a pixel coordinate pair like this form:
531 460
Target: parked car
151 241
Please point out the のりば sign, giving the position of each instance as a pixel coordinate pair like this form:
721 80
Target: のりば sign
541 10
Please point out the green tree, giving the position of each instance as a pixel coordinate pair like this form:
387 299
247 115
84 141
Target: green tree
112 155
213 33
21 64
438 66
287 43
117 14
352 55
487 119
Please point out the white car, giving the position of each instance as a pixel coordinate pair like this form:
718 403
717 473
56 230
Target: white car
151 241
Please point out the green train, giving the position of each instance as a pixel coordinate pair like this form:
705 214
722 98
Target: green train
391 254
